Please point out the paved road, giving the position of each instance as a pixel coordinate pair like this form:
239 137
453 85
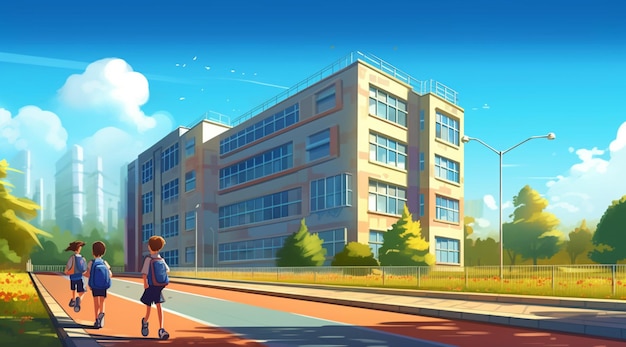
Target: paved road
216 317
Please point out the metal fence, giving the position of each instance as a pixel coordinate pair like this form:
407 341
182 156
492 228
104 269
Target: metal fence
586 281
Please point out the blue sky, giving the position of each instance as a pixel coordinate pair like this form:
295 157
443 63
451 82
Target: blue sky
521 69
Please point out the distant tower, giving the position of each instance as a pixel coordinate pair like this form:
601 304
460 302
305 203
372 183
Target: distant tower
474 208
94 194
21 181
69 190
48 212
38 198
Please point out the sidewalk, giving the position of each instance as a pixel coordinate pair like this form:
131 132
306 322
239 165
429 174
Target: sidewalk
593 317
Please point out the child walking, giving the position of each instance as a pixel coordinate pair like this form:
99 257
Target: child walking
75 268
99 273
154 273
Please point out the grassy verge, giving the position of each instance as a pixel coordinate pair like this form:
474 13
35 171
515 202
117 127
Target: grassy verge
23 317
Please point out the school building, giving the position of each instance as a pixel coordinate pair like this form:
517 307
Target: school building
345 149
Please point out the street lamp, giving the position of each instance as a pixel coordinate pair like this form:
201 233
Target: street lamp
213 247
196 251
466 139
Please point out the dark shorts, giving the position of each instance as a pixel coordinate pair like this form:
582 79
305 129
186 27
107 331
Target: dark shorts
152 295
99 292
77 285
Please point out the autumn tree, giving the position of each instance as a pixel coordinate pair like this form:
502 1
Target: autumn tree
532 233
609 238
355 254
579 242
301 249
404 245
482 252
15 212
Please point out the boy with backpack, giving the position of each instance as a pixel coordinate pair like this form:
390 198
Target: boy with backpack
99 273
155 278
75 268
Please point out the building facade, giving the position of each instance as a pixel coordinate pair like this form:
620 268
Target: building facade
69 204
346 152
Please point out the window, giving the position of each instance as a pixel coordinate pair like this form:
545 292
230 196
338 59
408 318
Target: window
278 205
190 254
171 257
169 226
447 128
251 249
147 231
447 209
190 147
146 171
325 100
386 198
387 151
267 163
147 202
447 250
422 206
446 168
190 180
422 120
170 191
376 241
318 145
265 127
331 192
422 162
169 157
387 106
190 220
333 240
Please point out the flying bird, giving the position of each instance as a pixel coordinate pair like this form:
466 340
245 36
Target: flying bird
181 98
207 67
195 57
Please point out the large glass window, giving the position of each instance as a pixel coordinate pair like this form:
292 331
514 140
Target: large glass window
422 205
447 128
190 220
190 180
251 249
146 171
387 106
169 191
147 231
169 226
265 127
447 250
190 147
447 169
147 202
267 163
278 205
333 240
387 151
318 145
386 198
169 157
190 254
375 242
447 209
422 120
325 100
422 162
171 257
331 192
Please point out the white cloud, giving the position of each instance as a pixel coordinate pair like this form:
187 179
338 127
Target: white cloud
570 149
592 183
490 202
32 128
482 222
110 85
486 107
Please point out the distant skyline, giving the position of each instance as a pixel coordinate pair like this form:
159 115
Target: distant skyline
117 77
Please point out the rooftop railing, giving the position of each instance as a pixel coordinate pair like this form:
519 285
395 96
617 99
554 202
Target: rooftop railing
211 116
419 86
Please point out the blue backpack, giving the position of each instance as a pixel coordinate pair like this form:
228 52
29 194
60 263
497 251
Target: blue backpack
157 273
99 276
79 266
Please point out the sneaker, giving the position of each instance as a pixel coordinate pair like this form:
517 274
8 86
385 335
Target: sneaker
144 327
163 335
77 305
100 320
72 302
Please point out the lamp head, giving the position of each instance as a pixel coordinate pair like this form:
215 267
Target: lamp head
197 205
466 139
551 136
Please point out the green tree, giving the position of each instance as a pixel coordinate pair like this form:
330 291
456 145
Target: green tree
579 242
15 212
404 245
355 254
609 238
301 249
532 233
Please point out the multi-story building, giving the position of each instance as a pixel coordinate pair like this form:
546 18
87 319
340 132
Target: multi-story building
346 152
69 195
21 180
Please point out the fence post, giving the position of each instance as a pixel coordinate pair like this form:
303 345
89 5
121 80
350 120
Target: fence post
613 267
466 275
277 274
383 274
553 279
419 276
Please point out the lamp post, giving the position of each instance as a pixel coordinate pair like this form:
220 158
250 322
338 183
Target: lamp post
196 251
213 247
466 139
